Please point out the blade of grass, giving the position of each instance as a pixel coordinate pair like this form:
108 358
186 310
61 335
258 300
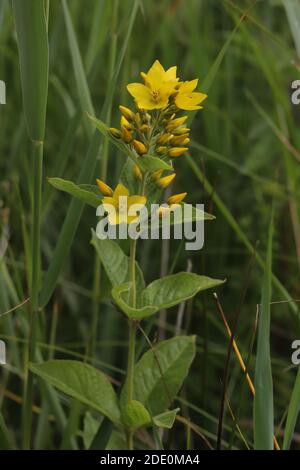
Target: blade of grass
293 412
31 27
239 232
263 407
87 172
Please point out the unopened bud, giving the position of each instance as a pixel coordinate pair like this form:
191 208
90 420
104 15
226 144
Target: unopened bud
137 172
176 198
126 135
166 180
125 123
177 151
180 140
161 150
139 147
115 133
104 188
164 138
127 113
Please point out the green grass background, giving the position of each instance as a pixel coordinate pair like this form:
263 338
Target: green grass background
244 158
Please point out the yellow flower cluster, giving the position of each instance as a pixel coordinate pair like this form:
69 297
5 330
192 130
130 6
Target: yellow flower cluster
155 128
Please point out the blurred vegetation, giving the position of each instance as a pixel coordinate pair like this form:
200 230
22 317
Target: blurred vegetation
244 157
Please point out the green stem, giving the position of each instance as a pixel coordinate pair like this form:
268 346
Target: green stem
35 284
132 324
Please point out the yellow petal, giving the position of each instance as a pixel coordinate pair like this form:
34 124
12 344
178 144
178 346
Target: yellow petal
156 75
189 101
141 200
120 191
108 201
139 91
189 86
171 73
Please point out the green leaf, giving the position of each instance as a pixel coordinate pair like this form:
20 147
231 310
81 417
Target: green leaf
32 37
90 429
134 415
75 210
115 262
292 9
162 293
293 412
120 294
80 76
5 438
174 289
166 419
160 373
263 399
102 127
83 382
150 163
89 194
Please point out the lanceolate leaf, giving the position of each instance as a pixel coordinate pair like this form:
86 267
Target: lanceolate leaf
120 294
89 194
83 382
174 289
162 293
160 373
263 400
293 413
33 47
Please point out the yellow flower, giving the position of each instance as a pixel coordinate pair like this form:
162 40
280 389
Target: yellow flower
157 75
187 98
120 203
159 85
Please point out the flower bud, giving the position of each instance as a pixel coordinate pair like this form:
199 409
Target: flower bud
115 133
164 138
161 150
176 198
127 113
174 123
180 140
177 151
157 174
144 128
126 135
166 180
104 188
139 147
125 123
181 130
137 172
